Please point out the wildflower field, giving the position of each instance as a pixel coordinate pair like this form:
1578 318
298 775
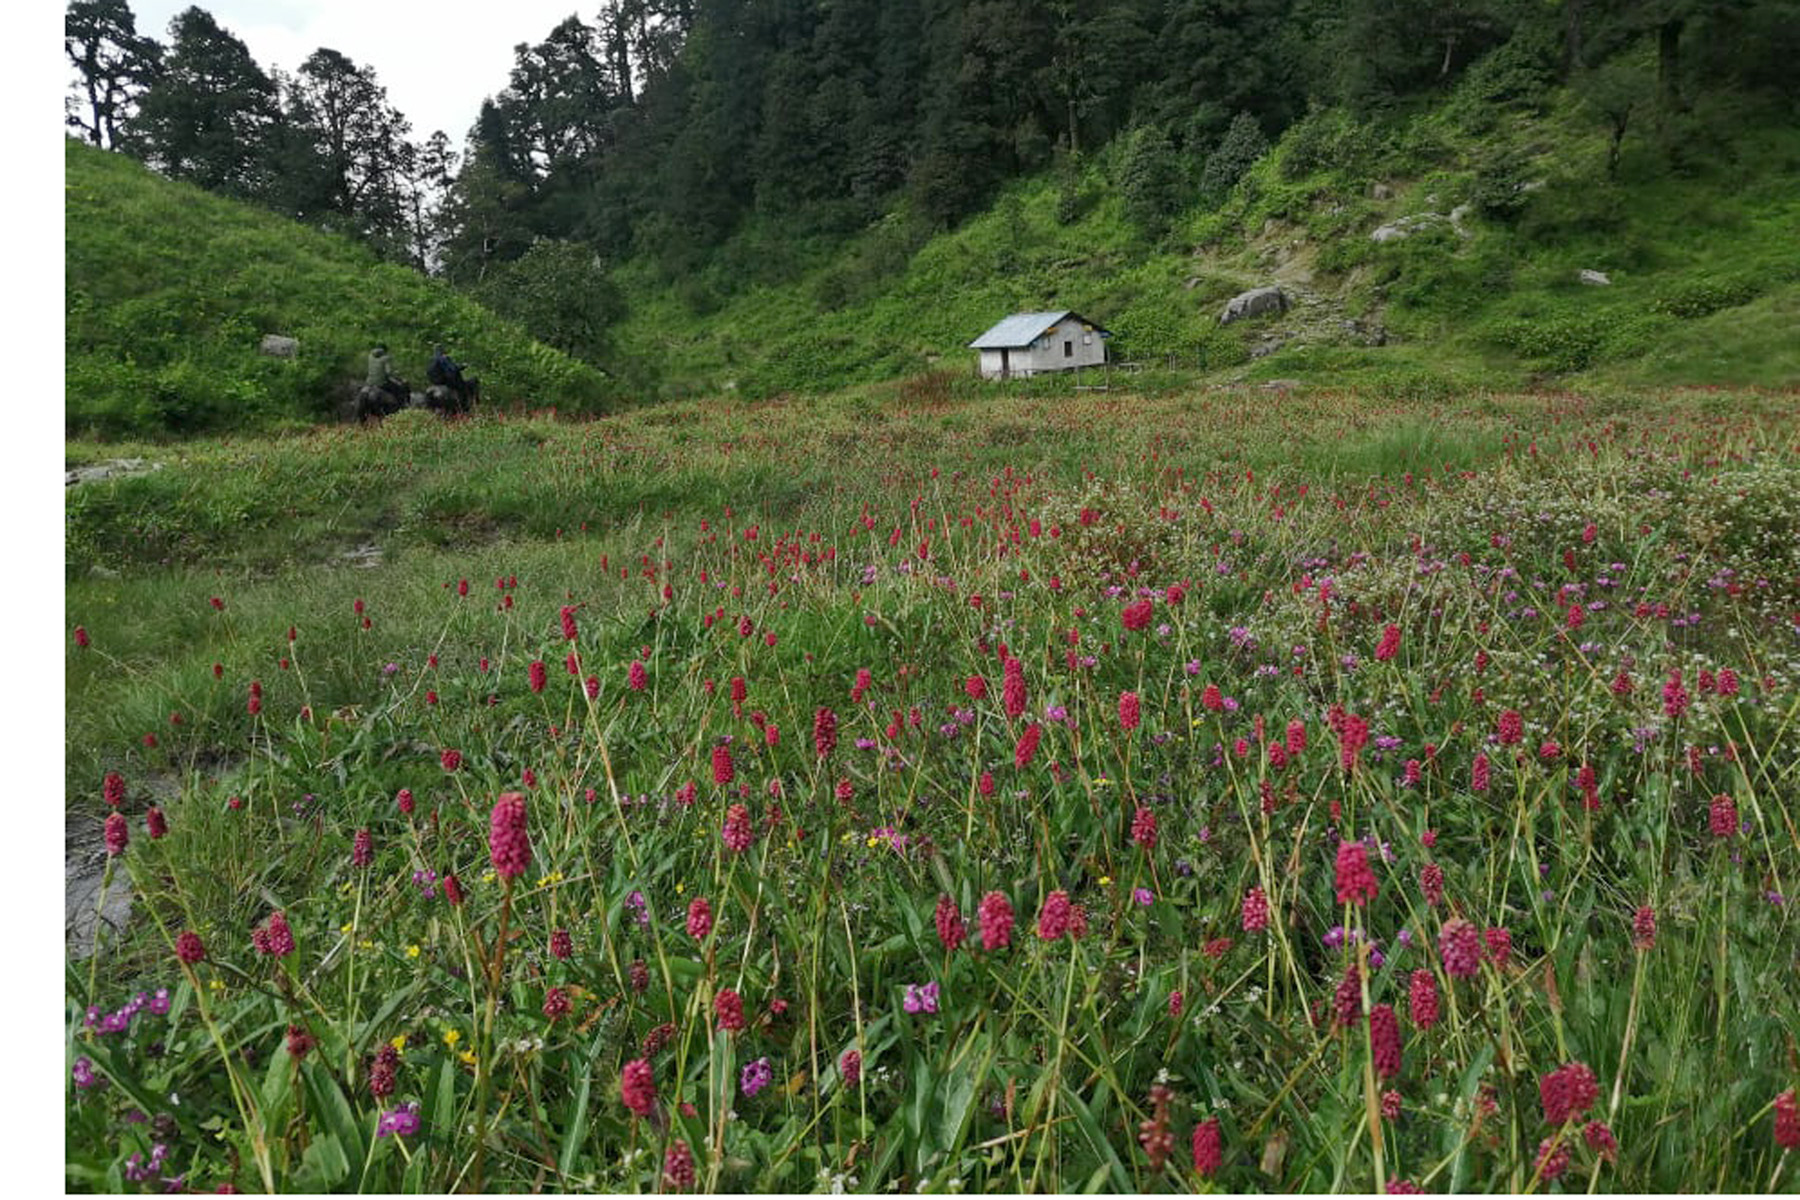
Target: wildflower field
928 790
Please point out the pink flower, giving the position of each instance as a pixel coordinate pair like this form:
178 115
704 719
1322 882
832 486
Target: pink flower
1499 946
189 949
1209 1154
723 769
1053 918
113 789
1346 1002
678 1165
1787 1121
156 823
1643 928
1143 829
1389 644
556 1003
1460 946
568 622
637 1087
738 832
1256 911
1137 616
1026 750
1479 774
509 844
1355 881
451 760
995 915
949 923
850 1068
1569 1091
824 732
636 677
362 849
539 675
1552 1159
729 1006
1422 999
1722 817
1296 737
118 833
1511 728
561 944
1384 1038
1128 711
1012 688
699 918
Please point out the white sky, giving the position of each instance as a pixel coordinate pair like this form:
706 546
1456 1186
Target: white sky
438 61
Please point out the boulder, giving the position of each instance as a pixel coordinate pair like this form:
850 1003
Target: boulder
276 346
1405 227
1594 278
1254 303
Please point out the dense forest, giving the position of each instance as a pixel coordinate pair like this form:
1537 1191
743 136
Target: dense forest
659 128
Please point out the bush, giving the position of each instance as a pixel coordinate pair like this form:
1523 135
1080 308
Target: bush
1705 295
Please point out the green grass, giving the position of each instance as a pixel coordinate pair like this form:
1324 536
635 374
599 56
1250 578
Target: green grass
169 292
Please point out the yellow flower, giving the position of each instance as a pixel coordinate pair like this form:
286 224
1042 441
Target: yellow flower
348 927
680 888
1102 780
467 1057
365 944
217 985
398 1041
412 951
1106 881
488 876
874 842
451 1037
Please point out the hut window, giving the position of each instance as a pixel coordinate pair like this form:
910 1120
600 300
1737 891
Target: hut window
1068 349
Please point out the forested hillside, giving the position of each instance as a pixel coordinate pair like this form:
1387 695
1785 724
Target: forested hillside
770 194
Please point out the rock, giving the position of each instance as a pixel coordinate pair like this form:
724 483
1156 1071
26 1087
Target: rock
1594 278
1193 281
1380 191
1282 385
1254 303
1264 349
1405 227
109 470
276 346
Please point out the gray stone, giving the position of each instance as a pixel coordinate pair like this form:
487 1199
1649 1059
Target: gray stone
1594 278
110 469
276 346
1380 191
1405 227
1254 303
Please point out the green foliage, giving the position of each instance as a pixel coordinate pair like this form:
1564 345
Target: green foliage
169 292
1703 295
1240 149
1150 179
560 293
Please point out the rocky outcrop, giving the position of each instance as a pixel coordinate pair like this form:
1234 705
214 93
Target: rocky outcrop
1254 303
276 346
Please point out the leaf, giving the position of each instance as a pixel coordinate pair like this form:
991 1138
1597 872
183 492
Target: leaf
959 1095
575 1132
328 1104
324 1167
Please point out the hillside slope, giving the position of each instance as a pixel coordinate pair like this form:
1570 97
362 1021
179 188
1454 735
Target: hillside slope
1503 209
169 291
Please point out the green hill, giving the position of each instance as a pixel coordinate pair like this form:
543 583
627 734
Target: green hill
1701 250
170 290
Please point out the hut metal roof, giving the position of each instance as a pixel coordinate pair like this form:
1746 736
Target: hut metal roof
1022 329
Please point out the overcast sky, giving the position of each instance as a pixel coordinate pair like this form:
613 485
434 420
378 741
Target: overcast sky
437 61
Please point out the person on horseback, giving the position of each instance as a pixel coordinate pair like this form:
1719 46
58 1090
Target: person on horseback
446 372
381 376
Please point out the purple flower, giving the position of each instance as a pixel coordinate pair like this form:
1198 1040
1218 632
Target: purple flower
1143 896
755 1076
83 1073
159 1003
921 998
403 1121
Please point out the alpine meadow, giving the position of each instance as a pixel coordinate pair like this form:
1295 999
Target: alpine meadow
1166 596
